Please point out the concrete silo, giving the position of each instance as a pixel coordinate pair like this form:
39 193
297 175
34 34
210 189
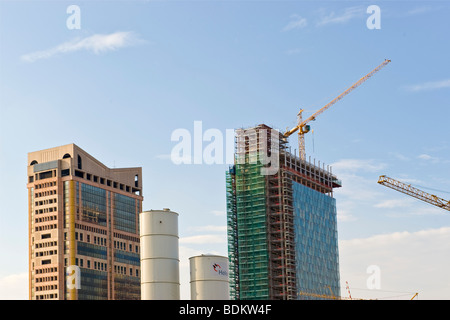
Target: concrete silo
160 279
209 277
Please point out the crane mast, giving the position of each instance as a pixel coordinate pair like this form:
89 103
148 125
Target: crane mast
414 192
302 126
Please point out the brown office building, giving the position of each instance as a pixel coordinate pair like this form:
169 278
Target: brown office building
83 227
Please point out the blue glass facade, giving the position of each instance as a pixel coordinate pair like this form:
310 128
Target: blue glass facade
316 242
125 213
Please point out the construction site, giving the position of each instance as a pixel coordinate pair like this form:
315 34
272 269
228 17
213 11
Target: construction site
264 232
282 227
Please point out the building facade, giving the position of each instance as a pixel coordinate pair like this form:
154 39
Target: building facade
83 227
282 229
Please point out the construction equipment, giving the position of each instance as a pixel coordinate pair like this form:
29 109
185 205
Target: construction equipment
302 126
414 192
348 290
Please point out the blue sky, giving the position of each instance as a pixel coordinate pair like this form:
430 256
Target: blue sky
136 71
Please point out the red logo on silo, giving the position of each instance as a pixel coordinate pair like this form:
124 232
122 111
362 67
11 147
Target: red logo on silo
217 268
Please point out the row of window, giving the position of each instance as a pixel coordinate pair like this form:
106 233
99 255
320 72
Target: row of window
46 279
47 287
106 182
101 241
103 266
46 227
44 202
123 270
90 228
45 244
45 219
123 246
46 270
46 253
45 193
47 296
42 176
46 210
125 237
45 185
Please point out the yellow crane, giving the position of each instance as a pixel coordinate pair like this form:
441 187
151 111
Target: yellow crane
414 192
323 296
302 126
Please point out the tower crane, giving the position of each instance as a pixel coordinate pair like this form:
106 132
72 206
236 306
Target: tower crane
414 192
303 127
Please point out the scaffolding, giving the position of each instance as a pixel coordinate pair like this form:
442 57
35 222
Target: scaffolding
260 215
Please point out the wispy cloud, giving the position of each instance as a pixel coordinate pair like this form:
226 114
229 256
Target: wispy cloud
428 86
434 160
353 165
395 203
209 228
343 17
359 187
419 10
297 22
204 239
97 44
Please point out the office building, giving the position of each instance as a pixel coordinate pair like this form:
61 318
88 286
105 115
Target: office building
83 227
282 229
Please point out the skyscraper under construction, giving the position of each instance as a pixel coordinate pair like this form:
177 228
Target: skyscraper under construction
281 216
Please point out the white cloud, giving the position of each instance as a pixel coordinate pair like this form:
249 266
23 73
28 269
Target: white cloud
209 228
97 43
204 239
354 165
297 22
434 160
348 14
425 157
428 86
14 287
409 262
359 187
344 212
395 203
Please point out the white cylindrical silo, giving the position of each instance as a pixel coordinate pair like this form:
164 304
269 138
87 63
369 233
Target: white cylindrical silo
209 277
160 276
